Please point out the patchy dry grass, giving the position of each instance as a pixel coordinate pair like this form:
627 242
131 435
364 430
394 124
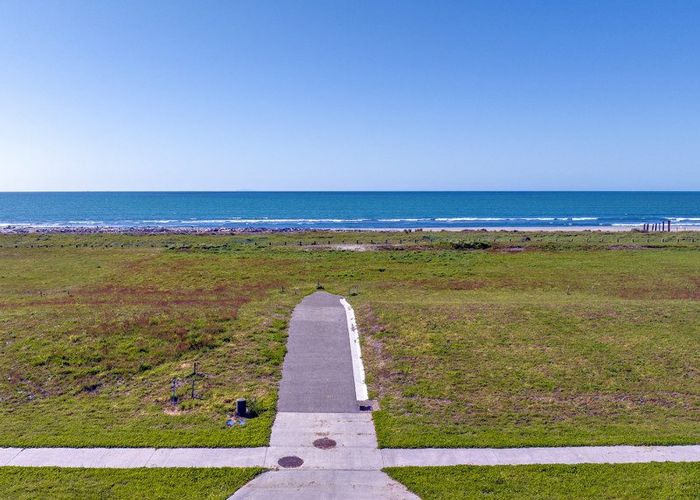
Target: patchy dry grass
566 342
545 349
92 340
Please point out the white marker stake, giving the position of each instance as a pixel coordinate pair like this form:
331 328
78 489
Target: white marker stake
358 370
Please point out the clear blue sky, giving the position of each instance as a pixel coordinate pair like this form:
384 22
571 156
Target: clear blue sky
349 95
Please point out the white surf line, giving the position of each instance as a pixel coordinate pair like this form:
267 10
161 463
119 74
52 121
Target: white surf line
358 368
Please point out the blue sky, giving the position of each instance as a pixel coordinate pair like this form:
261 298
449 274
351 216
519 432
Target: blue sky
331 95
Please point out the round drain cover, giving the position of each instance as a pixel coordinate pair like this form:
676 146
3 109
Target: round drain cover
324 443
290 462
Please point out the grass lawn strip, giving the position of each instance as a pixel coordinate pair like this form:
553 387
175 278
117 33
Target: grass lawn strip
53 482
651 480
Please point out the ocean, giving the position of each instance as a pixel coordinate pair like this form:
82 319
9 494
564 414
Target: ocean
352 210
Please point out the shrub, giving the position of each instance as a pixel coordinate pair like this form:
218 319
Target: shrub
470 245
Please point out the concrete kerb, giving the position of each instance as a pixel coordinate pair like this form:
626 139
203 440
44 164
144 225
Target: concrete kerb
358 368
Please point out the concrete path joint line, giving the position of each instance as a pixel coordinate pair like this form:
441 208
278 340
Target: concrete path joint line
17 454
148 461
7 455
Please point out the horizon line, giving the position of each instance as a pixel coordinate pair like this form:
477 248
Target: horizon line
149 191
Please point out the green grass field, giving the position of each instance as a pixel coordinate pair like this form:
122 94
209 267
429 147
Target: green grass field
568 348
58 483
544 339
631 481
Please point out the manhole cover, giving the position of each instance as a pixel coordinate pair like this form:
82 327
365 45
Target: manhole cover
324 443
290 462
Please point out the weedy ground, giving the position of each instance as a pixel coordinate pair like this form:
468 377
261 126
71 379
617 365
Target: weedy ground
469 339
652 480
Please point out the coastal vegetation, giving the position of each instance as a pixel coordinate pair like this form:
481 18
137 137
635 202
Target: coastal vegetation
469 338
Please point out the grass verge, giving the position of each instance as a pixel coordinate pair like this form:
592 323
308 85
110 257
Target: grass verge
651 480
54 482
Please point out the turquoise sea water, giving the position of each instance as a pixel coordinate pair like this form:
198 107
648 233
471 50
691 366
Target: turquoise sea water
348 209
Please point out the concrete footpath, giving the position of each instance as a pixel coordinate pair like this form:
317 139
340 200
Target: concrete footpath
322 445
317 374
525 456
343 456
133 457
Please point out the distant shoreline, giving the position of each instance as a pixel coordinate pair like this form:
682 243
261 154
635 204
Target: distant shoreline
142 230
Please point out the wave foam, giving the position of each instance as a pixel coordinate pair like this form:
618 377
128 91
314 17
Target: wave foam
270 221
